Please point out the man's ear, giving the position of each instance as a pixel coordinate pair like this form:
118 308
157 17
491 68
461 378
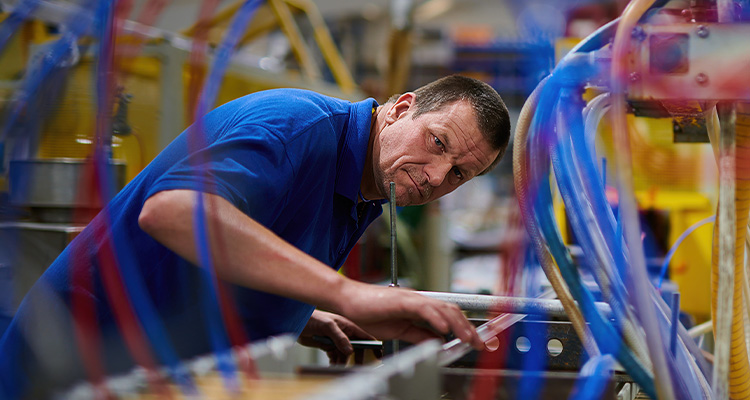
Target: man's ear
400 107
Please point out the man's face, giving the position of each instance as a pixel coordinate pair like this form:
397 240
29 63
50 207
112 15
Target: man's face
431 155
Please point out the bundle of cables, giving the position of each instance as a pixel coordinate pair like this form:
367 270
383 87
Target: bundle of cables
552 132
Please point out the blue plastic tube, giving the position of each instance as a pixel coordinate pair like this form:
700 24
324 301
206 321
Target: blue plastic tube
577 203
133 282
593 113
595 375
598 258
10 25
599 199
210 298
607 337
676 245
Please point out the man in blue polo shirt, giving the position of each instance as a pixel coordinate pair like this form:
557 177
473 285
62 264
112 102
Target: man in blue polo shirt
288 181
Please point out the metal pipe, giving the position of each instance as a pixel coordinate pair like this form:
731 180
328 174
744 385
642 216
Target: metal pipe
512 305
392 208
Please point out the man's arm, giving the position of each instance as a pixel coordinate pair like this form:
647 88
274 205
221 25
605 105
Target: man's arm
246 253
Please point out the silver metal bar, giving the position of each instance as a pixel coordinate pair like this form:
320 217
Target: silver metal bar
392 208
512 305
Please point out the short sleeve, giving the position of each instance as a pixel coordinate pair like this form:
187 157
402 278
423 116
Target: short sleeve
248 167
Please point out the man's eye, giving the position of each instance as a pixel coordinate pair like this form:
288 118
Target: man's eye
458 173
438 142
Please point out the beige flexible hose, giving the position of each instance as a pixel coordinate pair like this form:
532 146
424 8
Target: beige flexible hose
520 179
712 126
746 291
739 367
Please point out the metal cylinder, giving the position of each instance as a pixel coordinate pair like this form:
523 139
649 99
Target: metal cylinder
512 305
392 208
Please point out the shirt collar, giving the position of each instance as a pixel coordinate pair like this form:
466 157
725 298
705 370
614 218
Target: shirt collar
352 156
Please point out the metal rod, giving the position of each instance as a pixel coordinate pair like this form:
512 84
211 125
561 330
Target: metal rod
392 207
512 305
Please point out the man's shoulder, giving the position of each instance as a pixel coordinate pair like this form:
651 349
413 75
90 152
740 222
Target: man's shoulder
292 101
288 113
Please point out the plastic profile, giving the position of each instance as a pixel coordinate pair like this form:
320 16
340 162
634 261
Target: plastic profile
412 374
271 357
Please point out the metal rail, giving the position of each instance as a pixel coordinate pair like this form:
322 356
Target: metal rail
392 208
512 305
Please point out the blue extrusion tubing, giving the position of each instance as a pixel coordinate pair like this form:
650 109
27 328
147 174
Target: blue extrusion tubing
219 340
608 339
133 282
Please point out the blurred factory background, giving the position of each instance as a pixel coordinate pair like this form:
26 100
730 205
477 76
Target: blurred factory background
472 242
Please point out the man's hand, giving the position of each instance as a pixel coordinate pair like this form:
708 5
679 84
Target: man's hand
338 329
393 313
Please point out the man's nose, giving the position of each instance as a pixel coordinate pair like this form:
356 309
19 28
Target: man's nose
437 172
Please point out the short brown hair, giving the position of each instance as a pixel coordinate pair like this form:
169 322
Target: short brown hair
491 113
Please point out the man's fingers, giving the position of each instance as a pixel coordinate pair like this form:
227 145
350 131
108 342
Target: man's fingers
340 339
461 327
447 317
435 318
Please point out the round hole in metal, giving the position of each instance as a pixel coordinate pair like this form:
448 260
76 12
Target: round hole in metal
523 344
554 347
